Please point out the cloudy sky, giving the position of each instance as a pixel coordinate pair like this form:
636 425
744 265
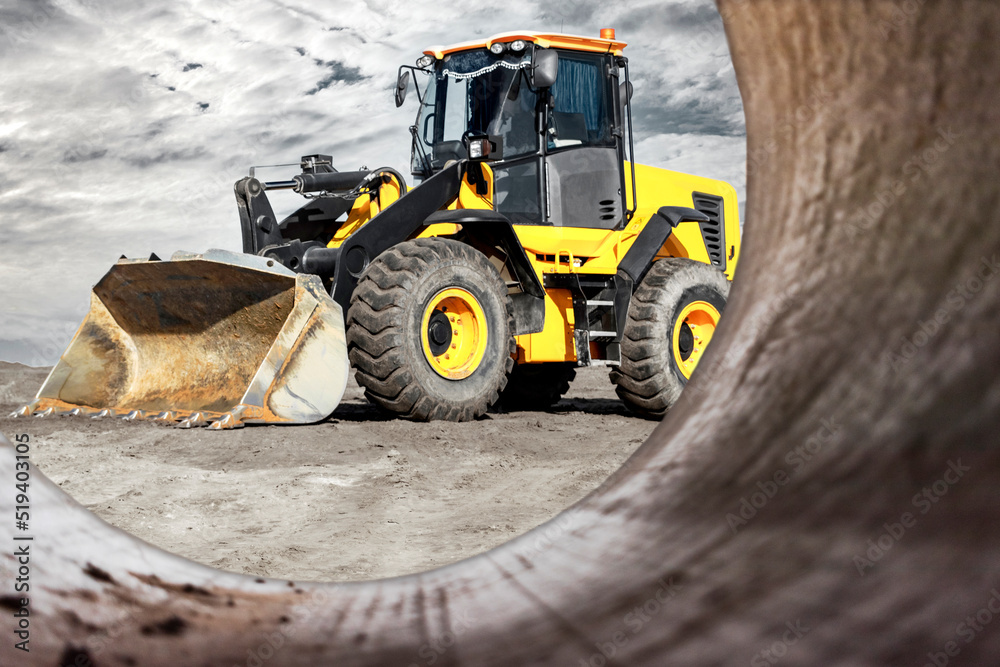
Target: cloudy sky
124 123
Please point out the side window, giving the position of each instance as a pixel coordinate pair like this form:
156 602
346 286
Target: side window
455 119
581 116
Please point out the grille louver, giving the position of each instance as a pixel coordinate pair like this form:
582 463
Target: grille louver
713 231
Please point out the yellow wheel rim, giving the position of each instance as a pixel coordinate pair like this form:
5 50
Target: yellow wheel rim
693 331
453 333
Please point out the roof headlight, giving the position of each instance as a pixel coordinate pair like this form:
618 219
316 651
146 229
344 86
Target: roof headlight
498 48
425 61
518 45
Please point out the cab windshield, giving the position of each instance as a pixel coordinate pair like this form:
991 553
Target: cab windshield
480 92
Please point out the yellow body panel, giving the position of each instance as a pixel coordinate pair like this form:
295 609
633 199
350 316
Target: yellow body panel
366 208
468 197
592 250
544 40
440 229
555 341
662 187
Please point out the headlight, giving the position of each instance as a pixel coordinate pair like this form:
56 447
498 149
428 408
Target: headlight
498 48
518 45
478 146
478 149
425 61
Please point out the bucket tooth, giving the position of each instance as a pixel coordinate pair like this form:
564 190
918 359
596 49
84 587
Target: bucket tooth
134 415
47 412
194 421
106 412
24 410
229 420
165 416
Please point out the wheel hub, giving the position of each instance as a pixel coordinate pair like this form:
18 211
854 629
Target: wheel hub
693 330
454 333
685 345
439 333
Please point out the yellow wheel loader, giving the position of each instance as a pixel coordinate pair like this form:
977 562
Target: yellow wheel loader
530 244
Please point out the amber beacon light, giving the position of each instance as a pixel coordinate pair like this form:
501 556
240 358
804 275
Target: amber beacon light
607 33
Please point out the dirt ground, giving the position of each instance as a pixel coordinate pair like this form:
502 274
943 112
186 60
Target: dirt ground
360 496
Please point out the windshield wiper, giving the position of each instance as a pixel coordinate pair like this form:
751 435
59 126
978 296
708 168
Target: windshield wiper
425 162
515 86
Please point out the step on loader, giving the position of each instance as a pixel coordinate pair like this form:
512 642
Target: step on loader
530 244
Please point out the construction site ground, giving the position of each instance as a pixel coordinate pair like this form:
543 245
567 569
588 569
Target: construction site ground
359 496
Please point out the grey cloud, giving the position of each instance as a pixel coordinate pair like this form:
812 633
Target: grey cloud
338 72
574 11
191 66
672 18
38 208
704 104
74 156
294 140
183 155
23 20
302 12
348 31
690 116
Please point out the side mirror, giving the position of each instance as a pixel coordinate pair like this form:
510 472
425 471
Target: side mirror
544 68
624 95
402 84
625 92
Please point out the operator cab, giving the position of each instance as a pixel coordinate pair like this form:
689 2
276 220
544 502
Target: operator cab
553 135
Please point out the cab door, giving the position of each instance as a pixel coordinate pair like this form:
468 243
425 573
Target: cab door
582 162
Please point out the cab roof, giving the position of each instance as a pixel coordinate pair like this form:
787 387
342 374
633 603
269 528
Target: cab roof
546 40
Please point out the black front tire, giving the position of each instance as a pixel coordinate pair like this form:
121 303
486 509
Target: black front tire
650 378
392 354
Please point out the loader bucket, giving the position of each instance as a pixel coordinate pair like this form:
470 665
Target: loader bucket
221 337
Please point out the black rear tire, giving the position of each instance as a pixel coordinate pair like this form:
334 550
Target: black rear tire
400 340
537 386
654 369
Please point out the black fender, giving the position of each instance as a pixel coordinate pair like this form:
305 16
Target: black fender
486 227
654 234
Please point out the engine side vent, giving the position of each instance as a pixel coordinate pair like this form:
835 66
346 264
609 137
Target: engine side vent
713 231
